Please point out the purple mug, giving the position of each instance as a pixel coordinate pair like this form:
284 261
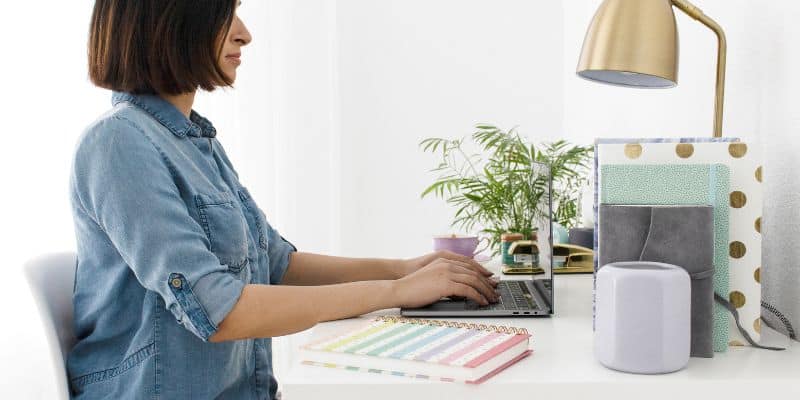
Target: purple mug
464 245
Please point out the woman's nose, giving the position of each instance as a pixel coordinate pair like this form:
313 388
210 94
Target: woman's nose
241 34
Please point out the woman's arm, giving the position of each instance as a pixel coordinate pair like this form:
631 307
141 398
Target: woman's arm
277 310
306 269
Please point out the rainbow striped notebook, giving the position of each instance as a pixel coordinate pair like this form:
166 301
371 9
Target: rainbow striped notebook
420 348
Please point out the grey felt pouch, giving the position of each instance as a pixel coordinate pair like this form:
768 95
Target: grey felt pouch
679 235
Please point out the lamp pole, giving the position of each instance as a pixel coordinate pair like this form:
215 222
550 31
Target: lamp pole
722 50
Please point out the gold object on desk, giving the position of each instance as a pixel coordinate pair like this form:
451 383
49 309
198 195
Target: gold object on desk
512 270
576 259
526 254
506 240
634 43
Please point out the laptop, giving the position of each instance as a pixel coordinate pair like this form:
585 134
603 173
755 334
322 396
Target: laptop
521 296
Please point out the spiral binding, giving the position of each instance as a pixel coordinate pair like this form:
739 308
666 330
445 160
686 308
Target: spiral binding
454 324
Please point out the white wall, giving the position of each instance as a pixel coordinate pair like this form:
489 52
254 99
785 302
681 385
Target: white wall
412 69
277 124
334 96
594 110
45 102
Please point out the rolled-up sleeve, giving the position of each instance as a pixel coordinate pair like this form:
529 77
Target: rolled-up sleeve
279 253
124 183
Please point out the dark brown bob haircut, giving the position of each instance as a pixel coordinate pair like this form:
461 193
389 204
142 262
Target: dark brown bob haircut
165 47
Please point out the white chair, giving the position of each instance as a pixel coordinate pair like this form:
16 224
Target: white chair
51 278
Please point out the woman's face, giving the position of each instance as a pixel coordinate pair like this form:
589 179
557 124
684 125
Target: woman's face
237 37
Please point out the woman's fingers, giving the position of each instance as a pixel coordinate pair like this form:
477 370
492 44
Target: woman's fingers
475 282
462 269
483 285
467 266
460 289
470 263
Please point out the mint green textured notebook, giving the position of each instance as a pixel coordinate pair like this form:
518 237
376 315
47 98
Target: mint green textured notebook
680 184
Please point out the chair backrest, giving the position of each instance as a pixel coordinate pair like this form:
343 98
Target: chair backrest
51 278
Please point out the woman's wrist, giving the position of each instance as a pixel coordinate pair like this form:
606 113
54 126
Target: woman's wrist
393 290
400 268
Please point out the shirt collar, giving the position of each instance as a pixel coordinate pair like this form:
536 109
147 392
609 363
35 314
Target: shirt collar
168 115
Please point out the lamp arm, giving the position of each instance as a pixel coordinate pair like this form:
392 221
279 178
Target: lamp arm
722 51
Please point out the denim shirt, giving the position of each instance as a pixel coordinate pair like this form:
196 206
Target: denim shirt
167 238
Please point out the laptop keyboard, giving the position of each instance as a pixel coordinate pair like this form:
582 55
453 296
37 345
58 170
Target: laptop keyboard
514 295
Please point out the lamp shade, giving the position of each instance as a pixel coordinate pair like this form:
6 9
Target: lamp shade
632 43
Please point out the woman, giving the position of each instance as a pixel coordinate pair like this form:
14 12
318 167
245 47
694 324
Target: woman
181 281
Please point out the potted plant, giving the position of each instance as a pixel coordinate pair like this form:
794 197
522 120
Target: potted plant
495 190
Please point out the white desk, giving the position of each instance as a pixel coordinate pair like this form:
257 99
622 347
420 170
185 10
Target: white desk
562 366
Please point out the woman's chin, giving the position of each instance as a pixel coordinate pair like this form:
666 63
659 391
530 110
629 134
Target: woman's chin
231 75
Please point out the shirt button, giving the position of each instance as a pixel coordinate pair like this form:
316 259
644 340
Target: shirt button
176 283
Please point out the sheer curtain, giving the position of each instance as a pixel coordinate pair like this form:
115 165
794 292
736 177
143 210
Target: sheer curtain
278 124
779 58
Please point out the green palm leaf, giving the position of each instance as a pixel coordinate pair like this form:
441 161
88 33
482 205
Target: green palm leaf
496 190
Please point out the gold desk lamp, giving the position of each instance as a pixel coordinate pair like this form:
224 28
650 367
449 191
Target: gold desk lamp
634 43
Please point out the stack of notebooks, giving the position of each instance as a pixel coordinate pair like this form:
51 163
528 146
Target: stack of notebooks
720 178
426 349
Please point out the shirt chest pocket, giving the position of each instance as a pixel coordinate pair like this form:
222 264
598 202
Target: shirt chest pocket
225 226
256 215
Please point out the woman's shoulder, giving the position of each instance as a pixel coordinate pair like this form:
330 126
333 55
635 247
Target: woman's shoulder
122 125
116 140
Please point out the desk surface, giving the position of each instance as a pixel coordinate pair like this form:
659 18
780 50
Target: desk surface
562 364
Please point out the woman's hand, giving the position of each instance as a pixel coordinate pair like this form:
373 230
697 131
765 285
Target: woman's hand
442 278
412 265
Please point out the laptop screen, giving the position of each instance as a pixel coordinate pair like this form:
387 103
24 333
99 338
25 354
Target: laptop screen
539 193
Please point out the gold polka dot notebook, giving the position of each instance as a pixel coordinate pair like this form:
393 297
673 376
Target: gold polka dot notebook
743 202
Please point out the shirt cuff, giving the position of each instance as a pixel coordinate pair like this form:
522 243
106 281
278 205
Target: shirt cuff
206 302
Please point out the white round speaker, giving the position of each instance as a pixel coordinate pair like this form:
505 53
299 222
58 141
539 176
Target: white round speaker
643 317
